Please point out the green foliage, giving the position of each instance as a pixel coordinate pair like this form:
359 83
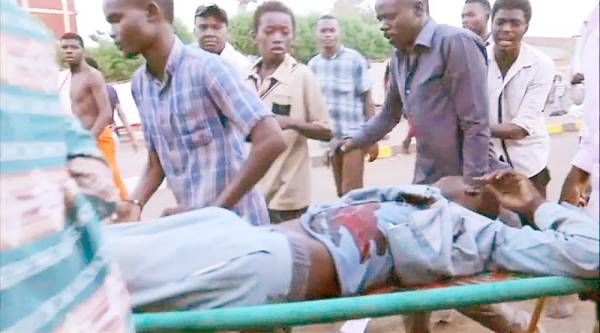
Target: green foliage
361 35
117 67
113 64
357 33
182 31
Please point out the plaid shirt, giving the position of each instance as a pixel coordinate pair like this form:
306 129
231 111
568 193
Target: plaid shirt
344 80
196 120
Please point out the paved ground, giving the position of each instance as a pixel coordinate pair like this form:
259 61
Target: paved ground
399 170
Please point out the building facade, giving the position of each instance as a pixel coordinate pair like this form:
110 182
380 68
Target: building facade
57 15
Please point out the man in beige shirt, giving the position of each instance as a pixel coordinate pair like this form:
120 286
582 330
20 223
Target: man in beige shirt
291 91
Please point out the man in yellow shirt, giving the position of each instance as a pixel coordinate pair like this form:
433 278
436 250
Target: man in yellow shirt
291 91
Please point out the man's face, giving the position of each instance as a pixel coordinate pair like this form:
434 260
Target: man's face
131 28
475 18
72 51
399 21
328 33
508 28
211 33
274 35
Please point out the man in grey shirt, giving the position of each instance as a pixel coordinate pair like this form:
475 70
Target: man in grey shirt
438 78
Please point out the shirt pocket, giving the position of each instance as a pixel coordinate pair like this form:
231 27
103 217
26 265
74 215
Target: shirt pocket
192 126
281 105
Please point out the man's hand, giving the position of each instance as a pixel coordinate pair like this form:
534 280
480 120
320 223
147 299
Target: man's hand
127 212
513 191
373 152
575 188
172 211
335 146
577 78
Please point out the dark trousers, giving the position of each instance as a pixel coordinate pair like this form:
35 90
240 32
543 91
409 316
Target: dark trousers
278 216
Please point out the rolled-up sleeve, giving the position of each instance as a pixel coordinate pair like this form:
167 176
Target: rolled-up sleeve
233 98
467 74
532 106
361 75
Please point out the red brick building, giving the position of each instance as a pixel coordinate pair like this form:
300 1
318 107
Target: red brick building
57 15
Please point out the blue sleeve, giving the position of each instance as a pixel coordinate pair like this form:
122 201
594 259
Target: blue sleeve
234 99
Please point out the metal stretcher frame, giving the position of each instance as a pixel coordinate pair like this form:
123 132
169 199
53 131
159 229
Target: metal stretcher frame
344 308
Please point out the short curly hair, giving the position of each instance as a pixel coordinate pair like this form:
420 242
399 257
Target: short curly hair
523 5
272 6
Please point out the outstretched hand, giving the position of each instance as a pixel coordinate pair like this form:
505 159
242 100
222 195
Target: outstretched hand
513 191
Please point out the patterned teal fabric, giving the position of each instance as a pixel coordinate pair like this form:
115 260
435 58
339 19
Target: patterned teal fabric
53 274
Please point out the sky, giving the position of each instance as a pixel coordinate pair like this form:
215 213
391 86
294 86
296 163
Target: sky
551 18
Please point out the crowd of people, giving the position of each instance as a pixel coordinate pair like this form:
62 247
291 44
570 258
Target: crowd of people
245 230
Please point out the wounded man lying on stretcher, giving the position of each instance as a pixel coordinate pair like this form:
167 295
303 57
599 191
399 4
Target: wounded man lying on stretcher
409 235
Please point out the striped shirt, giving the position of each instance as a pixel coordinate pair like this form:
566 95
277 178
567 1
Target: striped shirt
197 120
344 79
54 276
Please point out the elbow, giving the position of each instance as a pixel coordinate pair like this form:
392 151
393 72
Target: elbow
275 146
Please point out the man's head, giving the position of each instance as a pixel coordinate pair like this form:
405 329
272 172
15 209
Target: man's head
71 45
273 30
402 20
469 194
510 21
210 27
136 24
328 32
475 16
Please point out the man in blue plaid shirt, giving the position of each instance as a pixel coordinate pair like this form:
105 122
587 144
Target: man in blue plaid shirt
343 75
196 112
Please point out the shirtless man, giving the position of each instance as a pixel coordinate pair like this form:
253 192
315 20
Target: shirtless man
89 101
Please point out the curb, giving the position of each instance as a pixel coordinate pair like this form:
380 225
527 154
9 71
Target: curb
565 127
388 151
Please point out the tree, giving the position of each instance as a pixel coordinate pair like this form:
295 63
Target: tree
113 64
182 31
356 33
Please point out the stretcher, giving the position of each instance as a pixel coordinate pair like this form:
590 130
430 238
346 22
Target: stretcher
487 288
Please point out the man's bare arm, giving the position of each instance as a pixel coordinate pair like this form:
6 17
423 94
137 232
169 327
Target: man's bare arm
125 122
267 145
311 130
369 106
151 178
100 94
508 131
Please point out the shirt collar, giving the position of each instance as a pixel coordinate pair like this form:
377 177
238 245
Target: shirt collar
425 36
525 58
173 61
227 49
281 74
335 55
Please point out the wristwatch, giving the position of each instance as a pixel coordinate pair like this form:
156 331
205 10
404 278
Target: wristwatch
135 202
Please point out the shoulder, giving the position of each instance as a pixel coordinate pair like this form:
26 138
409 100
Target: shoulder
314 60
95 78
538 56
354 55
302 72
450 35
